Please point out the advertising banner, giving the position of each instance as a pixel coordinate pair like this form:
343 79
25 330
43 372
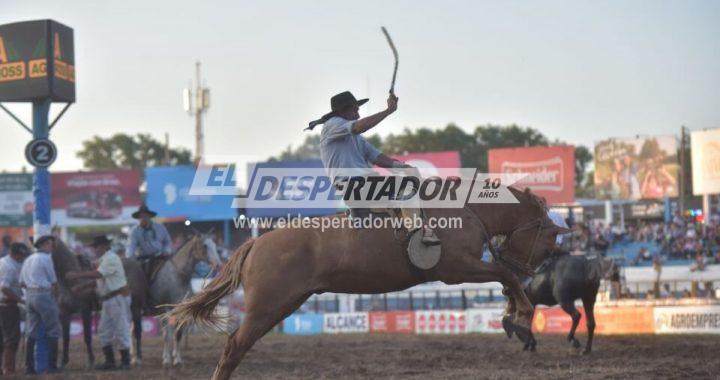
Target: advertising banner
16 200
484 320
168 190
554 320
687 320
338 323
392 321
94 198
440 322
37 60
303 324
636 168
550 170
623 320
705 150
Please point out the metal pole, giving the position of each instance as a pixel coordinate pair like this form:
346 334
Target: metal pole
199 109
41 177
683 176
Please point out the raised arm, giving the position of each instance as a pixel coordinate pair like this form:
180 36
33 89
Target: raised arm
365 124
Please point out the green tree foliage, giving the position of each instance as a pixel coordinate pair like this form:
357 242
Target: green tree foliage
123 151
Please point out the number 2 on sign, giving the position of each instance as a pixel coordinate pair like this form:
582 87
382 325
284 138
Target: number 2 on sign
491 183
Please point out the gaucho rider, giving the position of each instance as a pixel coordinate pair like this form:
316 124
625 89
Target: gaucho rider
149 241
343 146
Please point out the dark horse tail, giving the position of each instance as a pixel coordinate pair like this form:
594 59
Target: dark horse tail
200 308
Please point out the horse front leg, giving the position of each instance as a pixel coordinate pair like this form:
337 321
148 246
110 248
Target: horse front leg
86 314
136 349
65 324
177 359
167 344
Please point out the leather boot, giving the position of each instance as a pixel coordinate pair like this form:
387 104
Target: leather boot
30 357
109 359
8 362
52 354
125 359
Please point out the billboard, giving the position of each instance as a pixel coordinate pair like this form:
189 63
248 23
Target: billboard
705 150
687 319
339 323
439 322
16 200
97 198
37 60
484 320
303 324
428 162
392 321
636 168
168 190
550 170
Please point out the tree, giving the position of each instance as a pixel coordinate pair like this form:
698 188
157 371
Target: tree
123 151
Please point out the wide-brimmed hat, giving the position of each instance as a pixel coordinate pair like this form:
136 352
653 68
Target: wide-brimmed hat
338 103
143 210
42 239
100 240
19 249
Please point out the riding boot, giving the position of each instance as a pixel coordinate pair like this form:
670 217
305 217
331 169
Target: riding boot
109 359
8 362
125 359
429 238
52 354
30 357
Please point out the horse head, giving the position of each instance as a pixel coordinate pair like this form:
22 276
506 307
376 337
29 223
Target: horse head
533 239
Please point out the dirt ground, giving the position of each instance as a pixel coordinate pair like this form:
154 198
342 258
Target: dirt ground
430 356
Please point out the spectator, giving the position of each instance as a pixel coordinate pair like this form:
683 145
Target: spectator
10 297
666 293
642 255
6 242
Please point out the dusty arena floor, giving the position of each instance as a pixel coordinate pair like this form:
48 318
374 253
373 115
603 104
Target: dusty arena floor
437 357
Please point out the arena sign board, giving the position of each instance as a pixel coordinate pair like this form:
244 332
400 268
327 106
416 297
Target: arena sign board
636 168
95 198
440 322
337 323
303 324
37 60
687 320
705 150
550 169
484 320
16 200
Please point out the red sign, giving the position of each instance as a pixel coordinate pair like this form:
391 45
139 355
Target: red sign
102 197
554 320
550 169
392 321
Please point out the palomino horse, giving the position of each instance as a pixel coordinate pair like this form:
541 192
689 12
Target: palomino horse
282 268
170 286
70 302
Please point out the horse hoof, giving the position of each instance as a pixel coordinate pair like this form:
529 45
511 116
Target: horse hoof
166 363
576 343
508 326
136 362
177 363
523 333
586 352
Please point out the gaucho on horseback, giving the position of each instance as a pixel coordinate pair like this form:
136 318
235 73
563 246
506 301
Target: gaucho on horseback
149 241
342 146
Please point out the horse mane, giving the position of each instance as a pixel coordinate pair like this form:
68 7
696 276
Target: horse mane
534 199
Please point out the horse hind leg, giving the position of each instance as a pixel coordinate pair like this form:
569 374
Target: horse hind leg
569 307
257 322
168 337
65 324
177 359
589 305
136 349
86 315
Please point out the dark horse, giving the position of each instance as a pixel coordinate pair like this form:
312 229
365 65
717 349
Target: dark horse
565 279
70 302
282 268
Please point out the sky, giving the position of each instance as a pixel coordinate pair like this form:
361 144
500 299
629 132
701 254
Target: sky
578 71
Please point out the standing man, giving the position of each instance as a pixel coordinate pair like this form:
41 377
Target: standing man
10 297
113 291
343 146
40 282
149 241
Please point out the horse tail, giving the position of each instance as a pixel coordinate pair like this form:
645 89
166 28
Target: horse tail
200 307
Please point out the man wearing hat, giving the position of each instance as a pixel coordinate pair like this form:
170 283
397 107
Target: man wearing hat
148 240
113 291
38 278
10 297
343 146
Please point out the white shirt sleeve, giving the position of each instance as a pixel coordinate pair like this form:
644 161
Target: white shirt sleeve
337 128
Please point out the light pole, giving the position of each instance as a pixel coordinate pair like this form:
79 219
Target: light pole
196 102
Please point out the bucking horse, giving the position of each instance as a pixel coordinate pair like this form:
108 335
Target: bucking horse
282 268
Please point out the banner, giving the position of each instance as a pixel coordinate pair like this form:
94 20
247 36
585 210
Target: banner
168 194
623 320
555 320
94 198
336 323
550 170
392 321
687 320
636 168
303 324
705 150
484 320
440 322
16 200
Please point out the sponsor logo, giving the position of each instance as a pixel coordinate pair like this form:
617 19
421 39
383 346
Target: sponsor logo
540 175
346 322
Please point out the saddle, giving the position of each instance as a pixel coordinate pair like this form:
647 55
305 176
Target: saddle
151 266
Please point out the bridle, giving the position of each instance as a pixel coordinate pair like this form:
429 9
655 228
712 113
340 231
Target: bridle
511 262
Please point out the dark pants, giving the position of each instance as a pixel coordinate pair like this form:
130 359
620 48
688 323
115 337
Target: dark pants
10 326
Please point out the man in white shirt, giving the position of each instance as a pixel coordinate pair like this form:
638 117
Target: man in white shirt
40 282
113 291
10 297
